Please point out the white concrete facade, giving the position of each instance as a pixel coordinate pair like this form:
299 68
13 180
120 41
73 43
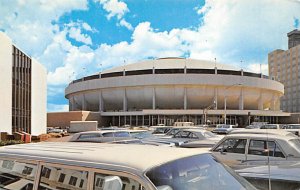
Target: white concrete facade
5 84
38 99
35 101
176 87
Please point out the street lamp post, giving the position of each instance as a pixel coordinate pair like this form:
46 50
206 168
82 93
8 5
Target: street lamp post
206 109
225 100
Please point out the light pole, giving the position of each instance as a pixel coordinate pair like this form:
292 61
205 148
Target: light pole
206 109
225 100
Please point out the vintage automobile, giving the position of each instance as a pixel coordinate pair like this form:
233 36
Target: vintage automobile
101 136
89 166
294 128
238 150
62 132
224 129
195 138
266 131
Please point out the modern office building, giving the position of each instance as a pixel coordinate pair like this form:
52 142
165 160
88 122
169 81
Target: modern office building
23 90
167 90
284 66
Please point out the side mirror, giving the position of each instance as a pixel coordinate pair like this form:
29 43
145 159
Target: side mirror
112 183
164 187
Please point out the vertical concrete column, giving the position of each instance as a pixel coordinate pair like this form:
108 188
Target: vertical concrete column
241 100
216 70
242 72
260 102
153 99
153 70
272 107
216 98
124 100
101 103
185 69
83 102
71 104
185 99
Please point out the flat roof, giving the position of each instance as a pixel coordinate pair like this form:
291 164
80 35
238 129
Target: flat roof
171 63
137 158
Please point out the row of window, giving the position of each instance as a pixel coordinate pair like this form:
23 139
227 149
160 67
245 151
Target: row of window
16 175
256 147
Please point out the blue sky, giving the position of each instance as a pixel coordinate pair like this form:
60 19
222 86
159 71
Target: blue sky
74 38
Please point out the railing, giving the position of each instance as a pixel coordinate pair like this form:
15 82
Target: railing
169 71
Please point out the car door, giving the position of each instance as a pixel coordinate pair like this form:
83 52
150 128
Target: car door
231 151
259 150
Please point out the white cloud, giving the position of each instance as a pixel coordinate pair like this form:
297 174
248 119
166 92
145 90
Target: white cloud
114 8
258 68
234 27
123 22
32 21
57 107
77 34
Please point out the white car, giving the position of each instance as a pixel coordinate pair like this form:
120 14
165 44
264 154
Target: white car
89 166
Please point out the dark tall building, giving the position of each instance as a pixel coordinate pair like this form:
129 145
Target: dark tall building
294 38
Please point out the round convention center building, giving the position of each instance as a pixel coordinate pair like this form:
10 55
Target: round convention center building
168 90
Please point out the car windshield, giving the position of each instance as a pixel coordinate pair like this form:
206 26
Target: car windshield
295 143
269 127
224 126
293 127
116 134
197 173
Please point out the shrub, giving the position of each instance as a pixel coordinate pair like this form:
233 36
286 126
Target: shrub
10 142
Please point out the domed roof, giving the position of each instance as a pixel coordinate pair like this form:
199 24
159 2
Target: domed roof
171 63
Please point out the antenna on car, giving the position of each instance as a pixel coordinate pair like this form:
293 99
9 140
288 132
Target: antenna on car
269 168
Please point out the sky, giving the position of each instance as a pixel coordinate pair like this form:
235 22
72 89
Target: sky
75 38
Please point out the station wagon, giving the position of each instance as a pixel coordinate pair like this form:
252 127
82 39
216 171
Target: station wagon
90 166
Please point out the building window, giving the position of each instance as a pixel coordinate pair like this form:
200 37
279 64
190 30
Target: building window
46 172
27 170
73 181
62 178
81 183
8 164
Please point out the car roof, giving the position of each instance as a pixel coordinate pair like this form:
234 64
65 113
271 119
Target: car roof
262 131
260 135
99 155
195 130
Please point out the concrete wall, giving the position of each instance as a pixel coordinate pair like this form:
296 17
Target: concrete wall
38 99
5 83
80 126
63 119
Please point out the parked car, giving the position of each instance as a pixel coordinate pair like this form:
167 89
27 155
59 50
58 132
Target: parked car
175 130
62 132
266 131
224 129
294 128
160 131
101 136
84 166
238 150
284 175
196 138
270 126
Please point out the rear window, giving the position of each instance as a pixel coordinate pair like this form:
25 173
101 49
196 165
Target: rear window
89 136
116 134
197 173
